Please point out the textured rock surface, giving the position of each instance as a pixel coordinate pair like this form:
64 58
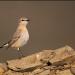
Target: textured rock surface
48 62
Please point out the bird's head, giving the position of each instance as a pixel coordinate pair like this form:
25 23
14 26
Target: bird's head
24 20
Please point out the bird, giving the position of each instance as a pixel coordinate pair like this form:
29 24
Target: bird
20 37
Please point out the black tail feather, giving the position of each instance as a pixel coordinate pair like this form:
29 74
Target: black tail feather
3 45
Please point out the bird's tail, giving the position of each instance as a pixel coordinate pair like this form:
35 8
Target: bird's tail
1 46
4 45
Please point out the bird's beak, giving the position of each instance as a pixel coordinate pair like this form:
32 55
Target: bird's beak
28 20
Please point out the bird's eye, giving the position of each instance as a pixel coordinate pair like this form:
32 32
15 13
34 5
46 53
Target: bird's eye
23 20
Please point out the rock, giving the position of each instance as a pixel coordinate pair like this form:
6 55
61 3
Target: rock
72 69
3 68
48 62
1 71
63 53
33 61
12 73
64 72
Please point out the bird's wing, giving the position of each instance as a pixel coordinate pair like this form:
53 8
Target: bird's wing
15 37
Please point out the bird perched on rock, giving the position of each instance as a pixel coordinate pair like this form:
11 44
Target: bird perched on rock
20 37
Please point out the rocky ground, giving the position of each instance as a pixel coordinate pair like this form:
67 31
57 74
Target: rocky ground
48 62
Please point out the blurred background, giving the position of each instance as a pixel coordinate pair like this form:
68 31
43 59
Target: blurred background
52 25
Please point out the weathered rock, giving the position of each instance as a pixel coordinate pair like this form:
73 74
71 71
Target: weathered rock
72 69
12 73
63 53
31 61
48 62
3 68
64 72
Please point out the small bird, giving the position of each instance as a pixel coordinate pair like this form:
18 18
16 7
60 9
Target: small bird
20 37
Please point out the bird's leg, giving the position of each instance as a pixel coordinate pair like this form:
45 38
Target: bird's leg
20 53
18 49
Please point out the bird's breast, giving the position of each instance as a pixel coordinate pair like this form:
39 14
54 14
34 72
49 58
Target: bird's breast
24 37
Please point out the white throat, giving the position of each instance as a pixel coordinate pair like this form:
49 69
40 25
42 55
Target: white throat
24 23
